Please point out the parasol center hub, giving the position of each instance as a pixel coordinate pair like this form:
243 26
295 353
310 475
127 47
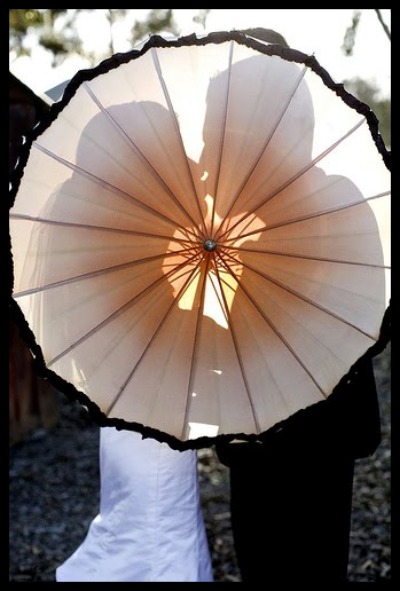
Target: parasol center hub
210 245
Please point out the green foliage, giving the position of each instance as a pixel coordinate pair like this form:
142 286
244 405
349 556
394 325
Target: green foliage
53 27
351 31
366 91
158 20
369 93
60 46
22 21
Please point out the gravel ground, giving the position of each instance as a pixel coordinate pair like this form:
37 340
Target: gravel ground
54 495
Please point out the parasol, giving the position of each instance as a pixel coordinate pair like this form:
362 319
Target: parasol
200 238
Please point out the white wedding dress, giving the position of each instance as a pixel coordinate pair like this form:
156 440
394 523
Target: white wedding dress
150 526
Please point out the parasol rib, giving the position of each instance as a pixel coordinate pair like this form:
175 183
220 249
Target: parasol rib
259 348
178 133
265 146
274 328
121 309
99 272
307 217
294 178
195 347
300 296
309 257
29 218
109 186
218 295
222 136
163 320
139 153
238 354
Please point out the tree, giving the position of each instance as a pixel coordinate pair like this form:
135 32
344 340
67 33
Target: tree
351 31
54 28
369 93
350 34
158 20
21 21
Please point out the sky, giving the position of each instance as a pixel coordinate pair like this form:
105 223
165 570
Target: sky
313 31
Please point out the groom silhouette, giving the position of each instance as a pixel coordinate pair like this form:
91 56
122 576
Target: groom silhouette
291 493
